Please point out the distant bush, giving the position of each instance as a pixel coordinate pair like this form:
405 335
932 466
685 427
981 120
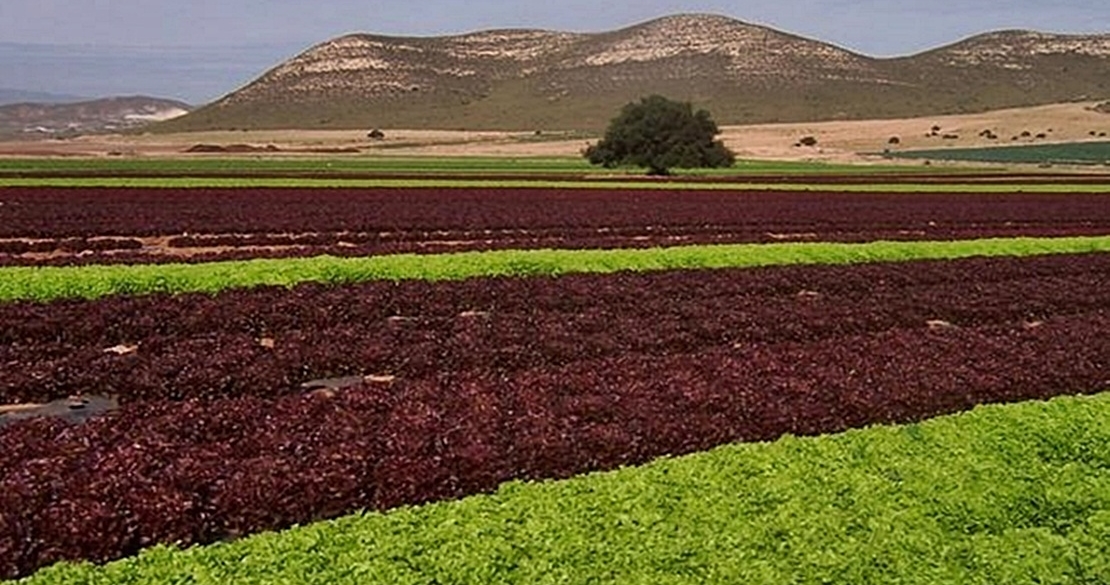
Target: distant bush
808 141
659 134
894 140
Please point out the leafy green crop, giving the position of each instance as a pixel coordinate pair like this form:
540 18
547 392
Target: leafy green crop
47 283
1010 494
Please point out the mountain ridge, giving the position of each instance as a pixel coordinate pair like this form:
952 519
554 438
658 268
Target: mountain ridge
742 72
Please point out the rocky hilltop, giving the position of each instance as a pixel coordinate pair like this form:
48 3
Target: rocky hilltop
744 73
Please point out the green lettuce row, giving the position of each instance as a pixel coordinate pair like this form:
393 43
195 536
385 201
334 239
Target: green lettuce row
89 282
1002 494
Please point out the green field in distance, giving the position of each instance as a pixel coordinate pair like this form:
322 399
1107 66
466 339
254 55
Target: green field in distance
1076 153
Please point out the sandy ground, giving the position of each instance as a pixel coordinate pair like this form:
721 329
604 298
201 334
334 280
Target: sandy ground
844 141
839 141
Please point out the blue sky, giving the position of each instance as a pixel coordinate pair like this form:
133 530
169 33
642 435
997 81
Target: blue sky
213 45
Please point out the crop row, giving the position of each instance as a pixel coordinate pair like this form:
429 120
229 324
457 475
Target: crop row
545 168
894 183
231 247
267 341
70 245
1005 494
59 213
203 470
46 283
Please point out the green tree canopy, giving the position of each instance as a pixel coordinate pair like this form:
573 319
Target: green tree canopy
660 134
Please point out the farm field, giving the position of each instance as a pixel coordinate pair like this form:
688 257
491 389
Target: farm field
512 172
479 166
1072 153
277 356
843 143
950 500
46 225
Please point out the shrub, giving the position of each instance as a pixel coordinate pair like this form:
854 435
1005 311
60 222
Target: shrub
660 134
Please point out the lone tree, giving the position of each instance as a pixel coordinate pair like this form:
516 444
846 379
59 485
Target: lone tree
660 134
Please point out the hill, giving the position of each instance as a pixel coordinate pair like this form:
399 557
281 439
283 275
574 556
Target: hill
86 117
744 73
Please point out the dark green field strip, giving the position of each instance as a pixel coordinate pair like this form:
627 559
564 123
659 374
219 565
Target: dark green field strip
47 283
1015 494
1082 153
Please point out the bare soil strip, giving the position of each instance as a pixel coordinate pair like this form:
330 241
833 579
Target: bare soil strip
837 141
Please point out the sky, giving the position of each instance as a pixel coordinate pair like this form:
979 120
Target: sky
212 46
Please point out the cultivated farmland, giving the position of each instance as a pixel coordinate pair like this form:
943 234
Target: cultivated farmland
52 225
1067 153
282 356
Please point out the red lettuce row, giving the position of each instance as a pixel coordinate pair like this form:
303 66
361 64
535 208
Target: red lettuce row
203 470
230 224
42 212
268 341
69 245
195 249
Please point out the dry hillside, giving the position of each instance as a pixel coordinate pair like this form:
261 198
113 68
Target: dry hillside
743 73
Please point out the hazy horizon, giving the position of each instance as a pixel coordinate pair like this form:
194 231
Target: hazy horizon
201 50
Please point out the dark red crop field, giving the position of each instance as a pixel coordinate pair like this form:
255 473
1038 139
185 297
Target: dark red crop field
238 223
202 346
485 380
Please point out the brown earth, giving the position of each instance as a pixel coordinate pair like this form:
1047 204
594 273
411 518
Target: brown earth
837 141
